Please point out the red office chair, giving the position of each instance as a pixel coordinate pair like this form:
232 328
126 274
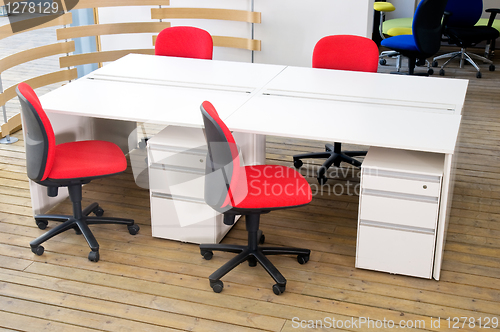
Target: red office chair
233 190
184 42
67 165
342 52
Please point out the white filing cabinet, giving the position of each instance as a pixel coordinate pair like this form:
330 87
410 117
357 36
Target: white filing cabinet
176 163
398 211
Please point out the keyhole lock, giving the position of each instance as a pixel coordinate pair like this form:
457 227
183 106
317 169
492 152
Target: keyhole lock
425 186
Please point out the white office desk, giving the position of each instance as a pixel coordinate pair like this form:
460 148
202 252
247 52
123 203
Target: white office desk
162 90
108 103
393 111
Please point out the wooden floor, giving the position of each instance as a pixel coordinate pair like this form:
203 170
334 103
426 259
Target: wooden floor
147 284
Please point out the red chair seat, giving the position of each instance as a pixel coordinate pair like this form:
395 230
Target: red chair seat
272 186
85 159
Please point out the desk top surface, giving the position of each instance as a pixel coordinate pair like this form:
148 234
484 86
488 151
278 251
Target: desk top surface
163 90
393 111
406 112
434 94
196 73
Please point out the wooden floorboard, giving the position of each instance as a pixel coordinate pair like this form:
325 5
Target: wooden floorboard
143 283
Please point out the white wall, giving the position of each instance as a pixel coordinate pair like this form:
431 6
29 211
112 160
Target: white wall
291 28
490 4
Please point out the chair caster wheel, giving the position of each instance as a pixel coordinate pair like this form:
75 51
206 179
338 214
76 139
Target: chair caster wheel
98 211
297 163
322 180
383 62
42 224
441 72
430 71
207 255
217 286
302 259
38 250
252 261
261 237
434 63
133 229
492 68
277 289
479 75
77 230
94 256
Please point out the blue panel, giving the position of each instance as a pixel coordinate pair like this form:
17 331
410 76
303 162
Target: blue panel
84 44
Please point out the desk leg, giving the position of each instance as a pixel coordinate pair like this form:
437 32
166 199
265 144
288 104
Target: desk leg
69 128
444 212
253 147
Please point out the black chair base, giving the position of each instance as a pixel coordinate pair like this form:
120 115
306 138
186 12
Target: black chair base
252 253
79 222
334 157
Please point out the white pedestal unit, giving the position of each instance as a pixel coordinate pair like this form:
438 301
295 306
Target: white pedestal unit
398 211
176 163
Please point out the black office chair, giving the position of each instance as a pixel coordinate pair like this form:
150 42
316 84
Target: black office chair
460 30
70 165
233 190
425 39
342 52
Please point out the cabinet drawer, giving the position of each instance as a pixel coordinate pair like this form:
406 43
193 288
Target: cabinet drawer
186 220
402 183
395 251
177 181
399 209
192 158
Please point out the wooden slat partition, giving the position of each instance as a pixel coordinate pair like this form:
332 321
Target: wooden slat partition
215 14
206 13
6 31
35 53
96 57
111 29
39 81
119 3
236 42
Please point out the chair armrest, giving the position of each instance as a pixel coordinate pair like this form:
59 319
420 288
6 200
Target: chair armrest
446 17
493 13
444 23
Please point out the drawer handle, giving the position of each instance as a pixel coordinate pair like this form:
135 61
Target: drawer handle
400 175
177 197
390 194
396 227
182 169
